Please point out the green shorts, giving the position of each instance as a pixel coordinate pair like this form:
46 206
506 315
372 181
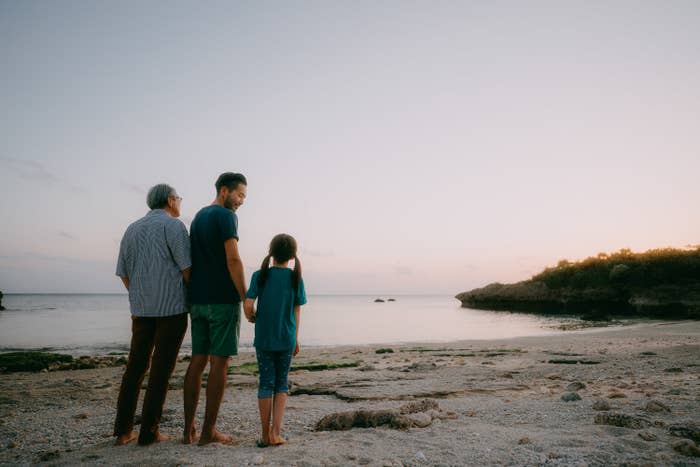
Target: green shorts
215 329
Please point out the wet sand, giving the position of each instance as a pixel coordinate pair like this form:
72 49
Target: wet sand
499 402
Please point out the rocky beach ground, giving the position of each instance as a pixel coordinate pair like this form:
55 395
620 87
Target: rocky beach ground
618 396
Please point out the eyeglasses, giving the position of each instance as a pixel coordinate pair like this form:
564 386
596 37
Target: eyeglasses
177 198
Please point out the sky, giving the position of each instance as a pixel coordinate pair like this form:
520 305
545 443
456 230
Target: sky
410 147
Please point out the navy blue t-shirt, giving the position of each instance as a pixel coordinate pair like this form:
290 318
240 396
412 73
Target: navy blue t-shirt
210 281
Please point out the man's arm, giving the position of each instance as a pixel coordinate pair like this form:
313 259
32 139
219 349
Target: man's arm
125 280
235 266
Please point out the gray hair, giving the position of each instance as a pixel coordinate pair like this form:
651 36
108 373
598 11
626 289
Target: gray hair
157 197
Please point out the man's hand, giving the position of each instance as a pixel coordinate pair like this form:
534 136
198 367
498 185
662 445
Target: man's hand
296 350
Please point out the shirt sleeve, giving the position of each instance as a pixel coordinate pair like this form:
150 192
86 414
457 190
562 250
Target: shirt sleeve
228 223
300 298
179 243
253 289
121 260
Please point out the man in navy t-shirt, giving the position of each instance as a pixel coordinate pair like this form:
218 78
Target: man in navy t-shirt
217 284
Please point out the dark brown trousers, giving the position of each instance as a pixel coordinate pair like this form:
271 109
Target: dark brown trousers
162 338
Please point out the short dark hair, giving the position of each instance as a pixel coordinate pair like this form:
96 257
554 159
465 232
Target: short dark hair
230 180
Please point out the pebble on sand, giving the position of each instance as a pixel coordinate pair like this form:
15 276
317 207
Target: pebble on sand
601 404
570 396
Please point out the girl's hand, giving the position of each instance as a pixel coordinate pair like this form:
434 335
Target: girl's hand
296 350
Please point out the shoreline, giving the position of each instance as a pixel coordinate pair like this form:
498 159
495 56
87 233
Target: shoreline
562 328
497 401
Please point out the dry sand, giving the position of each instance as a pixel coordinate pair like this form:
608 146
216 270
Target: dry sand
501 404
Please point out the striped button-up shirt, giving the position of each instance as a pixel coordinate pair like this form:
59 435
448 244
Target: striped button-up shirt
153 253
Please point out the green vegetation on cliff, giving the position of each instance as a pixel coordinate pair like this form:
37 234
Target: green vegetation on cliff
626 270
661 282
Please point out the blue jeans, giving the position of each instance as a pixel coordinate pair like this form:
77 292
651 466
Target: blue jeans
273 366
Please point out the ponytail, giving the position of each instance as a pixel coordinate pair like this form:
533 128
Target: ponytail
264 267
296 274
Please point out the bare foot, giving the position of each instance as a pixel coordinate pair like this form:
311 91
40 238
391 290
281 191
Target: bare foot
159 438
216 437
190 437
277 440
264 440
125 439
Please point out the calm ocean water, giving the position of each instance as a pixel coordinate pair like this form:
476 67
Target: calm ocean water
99 324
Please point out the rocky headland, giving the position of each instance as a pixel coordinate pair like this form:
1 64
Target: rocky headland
657 284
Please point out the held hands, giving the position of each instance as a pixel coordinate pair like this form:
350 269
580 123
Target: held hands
249 310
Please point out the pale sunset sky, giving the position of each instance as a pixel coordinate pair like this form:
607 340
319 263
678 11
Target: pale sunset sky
410 147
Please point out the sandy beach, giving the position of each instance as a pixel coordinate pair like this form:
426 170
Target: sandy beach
634 396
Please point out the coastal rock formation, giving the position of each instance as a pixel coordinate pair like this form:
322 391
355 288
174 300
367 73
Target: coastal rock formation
658 283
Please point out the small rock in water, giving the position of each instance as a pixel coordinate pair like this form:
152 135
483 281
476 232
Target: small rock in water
421 457
601 404
686 447
524 440
616 395
647 436
570 397
656 406
81 416
258 460
575 386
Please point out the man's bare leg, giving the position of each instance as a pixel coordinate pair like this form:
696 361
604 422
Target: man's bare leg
193 383
126 439
265 407
216 383
278 405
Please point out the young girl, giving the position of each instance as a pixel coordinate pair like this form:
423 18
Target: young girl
280 294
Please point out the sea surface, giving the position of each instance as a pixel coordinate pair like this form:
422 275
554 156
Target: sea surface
87 324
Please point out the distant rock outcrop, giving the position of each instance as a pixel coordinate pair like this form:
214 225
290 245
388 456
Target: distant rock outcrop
658 283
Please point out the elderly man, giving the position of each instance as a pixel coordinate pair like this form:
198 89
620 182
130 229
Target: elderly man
154 264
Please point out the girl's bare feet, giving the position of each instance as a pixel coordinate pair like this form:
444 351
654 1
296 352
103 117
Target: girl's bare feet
125 439
215 437
277 440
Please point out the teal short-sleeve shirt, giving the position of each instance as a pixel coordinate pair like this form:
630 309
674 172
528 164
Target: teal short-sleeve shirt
275 325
